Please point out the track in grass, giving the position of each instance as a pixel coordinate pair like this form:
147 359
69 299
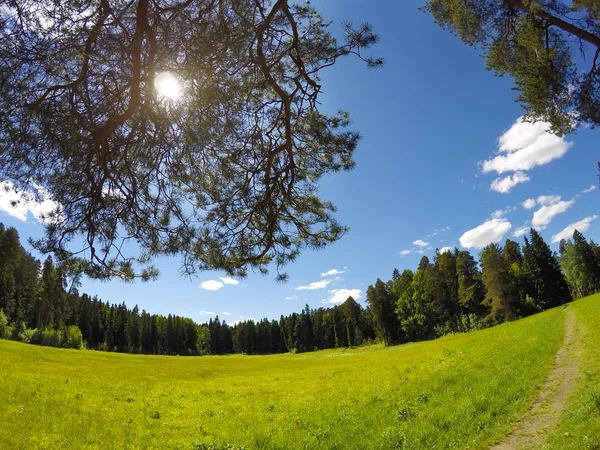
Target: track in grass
544 413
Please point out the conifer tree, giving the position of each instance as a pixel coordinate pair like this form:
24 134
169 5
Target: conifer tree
382 307
470 287
549 285
501 293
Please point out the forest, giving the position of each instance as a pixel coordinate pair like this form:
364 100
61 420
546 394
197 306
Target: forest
454 293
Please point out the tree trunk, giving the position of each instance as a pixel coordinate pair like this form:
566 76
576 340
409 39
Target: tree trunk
563 25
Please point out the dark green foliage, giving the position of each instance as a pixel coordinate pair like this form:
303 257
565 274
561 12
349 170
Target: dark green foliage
4 330
448 307
39 310
502 296
581 266
471 291
451 295
352 312
550 48
225 177
413 311
522 278
382 305
69 337
548 285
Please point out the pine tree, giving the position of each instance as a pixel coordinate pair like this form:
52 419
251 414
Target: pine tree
411 310
351 311
501 293
532 42
549 285
470 287
103 103
382 304
445 263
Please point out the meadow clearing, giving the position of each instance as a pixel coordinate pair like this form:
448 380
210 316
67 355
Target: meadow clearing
464 391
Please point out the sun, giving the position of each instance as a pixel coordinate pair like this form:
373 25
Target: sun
167 86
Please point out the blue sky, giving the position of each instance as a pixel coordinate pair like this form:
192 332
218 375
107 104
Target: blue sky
444 162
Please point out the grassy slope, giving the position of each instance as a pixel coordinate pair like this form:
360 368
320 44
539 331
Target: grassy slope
579 427
461 391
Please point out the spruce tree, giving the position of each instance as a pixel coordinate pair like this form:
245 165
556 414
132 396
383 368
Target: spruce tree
549 285
470 287
382 309
501 293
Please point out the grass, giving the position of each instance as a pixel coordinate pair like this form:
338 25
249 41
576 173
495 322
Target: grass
458 392
579 427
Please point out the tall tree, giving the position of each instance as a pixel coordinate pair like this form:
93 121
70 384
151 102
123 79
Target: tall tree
445 263
501 293
581 267
532 41
413 311
549 285
523 278
382 306
352 312
224 176
470 287
10 254
402 284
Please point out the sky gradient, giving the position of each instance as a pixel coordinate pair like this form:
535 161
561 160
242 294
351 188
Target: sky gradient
444 161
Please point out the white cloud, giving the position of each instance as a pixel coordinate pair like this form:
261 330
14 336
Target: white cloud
497 214
491 231
421 243
445 249
529 203
333 272
548 200
521 134
211 285
504 185
340 295
590 189
225 313
543 216
291 297
19 204
420 252
581 226
314 285
521 231
215 285
206 313
405 252
526 145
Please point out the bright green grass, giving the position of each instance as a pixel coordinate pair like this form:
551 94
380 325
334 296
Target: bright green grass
579 427
463 391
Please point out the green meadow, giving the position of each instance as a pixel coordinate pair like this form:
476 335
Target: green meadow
464 391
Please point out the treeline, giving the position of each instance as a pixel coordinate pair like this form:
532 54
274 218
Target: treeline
452 293
37 307
455 294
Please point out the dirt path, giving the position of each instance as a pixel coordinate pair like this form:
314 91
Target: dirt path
543 415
